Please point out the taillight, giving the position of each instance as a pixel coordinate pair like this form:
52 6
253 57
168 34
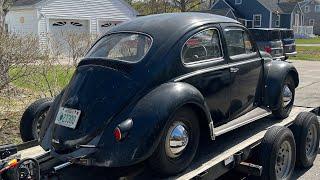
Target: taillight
117 134
122 130
268 49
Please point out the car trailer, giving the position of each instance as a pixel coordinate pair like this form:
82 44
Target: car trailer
236 150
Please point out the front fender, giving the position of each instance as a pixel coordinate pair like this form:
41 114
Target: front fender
275 74
149 116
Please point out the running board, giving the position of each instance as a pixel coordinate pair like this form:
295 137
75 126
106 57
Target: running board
250 117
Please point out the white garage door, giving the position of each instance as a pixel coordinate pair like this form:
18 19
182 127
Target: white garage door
63 30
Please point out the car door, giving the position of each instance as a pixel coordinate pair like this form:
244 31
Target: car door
207 70
245 65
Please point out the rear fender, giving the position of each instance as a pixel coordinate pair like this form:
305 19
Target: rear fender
275 74
150 116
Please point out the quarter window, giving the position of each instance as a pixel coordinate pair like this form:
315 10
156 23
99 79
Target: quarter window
204 45
238 42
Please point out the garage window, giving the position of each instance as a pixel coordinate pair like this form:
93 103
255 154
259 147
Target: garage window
60 23
202 46
129 47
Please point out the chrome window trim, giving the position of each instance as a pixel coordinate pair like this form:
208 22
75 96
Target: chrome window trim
205 61
206 70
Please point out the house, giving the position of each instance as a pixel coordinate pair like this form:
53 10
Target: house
42 17
261 13
311 10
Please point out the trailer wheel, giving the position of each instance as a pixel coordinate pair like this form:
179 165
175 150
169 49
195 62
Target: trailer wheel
32 119
278 153
178 145
306 133
286 99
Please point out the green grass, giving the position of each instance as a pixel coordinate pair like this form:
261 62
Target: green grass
307 53
308 41
42 78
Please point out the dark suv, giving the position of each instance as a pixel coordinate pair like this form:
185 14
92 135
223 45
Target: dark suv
269 40
288 41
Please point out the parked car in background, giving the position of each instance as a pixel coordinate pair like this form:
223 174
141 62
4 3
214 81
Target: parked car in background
269 40
150 87
288 41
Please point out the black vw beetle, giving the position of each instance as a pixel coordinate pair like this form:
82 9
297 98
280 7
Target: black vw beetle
150 88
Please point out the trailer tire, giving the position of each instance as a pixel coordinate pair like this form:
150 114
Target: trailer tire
29 123
167 160
277 154
306 133
285 108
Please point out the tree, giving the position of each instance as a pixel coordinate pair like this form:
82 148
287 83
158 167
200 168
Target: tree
188 5
4 9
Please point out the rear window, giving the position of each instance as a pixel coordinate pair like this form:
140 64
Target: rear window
129 47
265 35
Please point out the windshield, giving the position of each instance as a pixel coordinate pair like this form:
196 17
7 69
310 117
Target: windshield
129 47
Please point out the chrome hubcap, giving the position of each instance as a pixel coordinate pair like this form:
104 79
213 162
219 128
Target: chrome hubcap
283 161
176 140
287 95
311 141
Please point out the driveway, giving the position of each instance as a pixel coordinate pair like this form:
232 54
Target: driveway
308 92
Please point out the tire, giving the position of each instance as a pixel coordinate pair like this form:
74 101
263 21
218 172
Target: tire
284 110
277 154
165 162
31 120
306 134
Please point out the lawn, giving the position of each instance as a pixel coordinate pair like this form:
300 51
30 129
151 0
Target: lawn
43 79
307 53
40 82
309 41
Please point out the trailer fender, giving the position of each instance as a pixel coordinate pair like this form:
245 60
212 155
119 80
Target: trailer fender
149 118
275 74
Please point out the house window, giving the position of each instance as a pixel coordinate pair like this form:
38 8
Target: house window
257 20
278 20
307 9
317 8
238 1
311 22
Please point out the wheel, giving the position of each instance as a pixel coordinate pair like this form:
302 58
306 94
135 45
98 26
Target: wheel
178 145
306 133
32 118
277 154
286 99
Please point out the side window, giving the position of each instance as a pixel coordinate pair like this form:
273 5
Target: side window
202 46
238 42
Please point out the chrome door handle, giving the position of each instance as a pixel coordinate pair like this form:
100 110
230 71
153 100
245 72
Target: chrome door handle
234 70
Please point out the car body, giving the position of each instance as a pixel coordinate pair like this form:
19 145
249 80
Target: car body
269 40
288 41
125 94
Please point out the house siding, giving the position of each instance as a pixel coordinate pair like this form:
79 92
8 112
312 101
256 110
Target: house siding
255 8
22 21
285 21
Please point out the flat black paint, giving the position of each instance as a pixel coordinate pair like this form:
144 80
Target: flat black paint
109 92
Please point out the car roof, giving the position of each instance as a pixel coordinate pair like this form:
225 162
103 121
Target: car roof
165 25
265 29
